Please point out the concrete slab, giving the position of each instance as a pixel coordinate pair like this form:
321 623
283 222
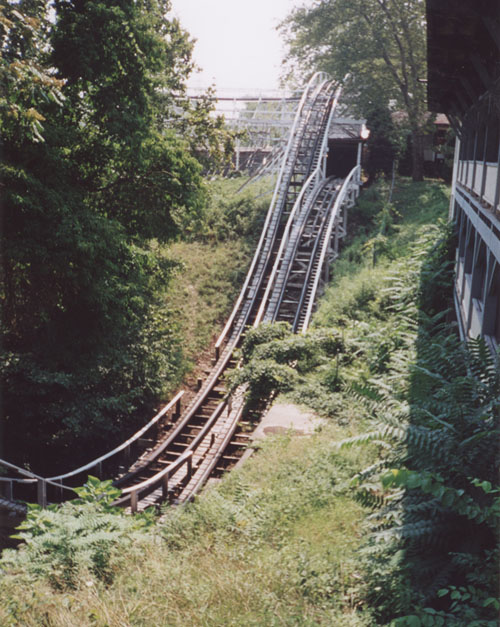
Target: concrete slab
283 417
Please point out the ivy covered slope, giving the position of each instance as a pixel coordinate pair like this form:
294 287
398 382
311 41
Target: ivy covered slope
387 515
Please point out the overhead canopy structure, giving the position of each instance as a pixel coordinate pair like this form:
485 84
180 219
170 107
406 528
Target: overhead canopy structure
463 52
464 82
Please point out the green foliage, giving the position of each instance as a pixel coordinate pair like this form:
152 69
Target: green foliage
210 266
231 214
434 499
274 358
96 491
263 334
211 142
383 144
160 176
416 415
87 342
25 80
383 68
279 535
81 540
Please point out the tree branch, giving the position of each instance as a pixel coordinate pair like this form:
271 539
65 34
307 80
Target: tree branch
387 59
398 41
408 38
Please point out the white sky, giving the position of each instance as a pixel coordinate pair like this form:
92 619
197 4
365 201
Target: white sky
237 42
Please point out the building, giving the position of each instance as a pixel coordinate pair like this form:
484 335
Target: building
345 142
464 83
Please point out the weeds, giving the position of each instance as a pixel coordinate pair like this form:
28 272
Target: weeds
395 526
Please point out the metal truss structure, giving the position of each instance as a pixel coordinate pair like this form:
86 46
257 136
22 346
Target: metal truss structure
262 120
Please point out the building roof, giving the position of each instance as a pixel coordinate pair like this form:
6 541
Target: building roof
463 52
344 128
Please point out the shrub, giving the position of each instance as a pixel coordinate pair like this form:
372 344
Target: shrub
79 540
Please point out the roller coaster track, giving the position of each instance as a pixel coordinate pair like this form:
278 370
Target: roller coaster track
305 215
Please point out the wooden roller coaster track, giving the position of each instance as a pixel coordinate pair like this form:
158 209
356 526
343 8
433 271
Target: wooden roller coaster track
173 456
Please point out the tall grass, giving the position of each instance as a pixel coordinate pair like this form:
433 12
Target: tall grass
274 544
290 538
210 265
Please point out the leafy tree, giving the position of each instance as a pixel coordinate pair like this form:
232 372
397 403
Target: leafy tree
209 139
380 43
125 63
89 175
382 143
24 80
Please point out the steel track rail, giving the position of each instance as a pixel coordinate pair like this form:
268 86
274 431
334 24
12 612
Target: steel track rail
326 201
225 357
308 191
255 276
300 157
276 205
315 209
285 200
350 185
242 308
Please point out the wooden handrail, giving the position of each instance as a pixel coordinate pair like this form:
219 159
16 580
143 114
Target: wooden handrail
147 483
32 478
123 445
131 494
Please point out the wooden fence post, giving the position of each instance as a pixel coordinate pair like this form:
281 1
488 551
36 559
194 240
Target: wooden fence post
41 490
164 486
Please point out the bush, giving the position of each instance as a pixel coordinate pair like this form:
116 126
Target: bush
80 540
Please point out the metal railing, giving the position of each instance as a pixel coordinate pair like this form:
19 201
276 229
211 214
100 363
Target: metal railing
318 78
352 178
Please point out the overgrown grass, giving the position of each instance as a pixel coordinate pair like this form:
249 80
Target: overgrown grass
203 289
310 532
274 544
381 234
210 266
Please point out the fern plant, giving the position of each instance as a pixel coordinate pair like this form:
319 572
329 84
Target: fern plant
437 410
80 540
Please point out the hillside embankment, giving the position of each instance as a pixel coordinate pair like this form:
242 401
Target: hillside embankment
381 516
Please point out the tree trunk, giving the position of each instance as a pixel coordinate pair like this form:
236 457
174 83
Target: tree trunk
417 154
